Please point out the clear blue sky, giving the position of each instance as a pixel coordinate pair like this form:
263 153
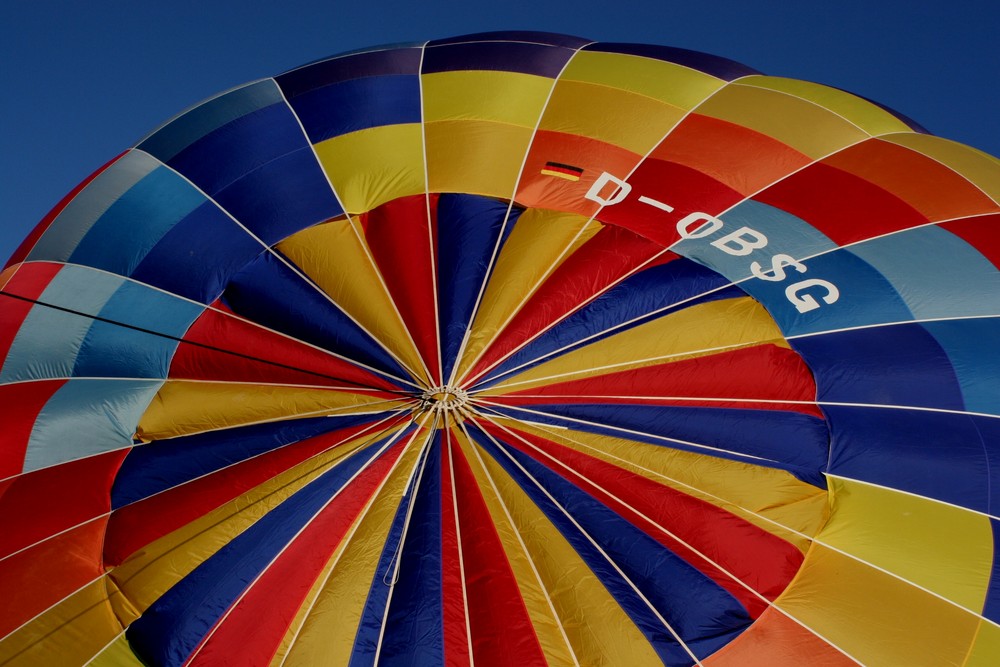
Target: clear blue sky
82 81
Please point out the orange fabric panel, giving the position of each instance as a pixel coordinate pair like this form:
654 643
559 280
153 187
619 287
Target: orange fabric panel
775 640
934 189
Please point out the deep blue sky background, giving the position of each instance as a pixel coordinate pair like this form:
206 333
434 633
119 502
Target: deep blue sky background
82 81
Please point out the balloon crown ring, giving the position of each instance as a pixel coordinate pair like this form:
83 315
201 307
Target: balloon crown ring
444 398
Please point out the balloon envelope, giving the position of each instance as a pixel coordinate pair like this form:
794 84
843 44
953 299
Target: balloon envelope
509 349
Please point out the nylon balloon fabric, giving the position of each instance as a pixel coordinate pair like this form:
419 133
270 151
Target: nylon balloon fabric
509 349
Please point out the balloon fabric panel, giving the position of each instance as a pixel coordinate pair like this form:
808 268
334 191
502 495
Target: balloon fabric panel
511 348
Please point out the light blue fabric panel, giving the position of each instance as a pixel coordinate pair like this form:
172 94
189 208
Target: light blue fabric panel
47 344
87 417
935 272
72 224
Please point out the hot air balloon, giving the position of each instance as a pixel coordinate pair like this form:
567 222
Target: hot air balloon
511 348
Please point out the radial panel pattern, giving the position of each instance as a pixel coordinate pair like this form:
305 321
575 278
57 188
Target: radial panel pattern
509 349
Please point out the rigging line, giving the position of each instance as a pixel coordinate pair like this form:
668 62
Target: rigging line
515 531
206 346
593 541
360 452
341 550
682 445
507 224
483 376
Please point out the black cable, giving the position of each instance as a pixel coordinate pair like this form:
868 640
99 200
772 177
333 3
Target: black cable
205 346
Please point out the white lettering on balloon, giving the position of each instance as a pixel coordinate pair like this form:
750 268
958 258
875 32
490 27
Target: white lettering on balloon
805 295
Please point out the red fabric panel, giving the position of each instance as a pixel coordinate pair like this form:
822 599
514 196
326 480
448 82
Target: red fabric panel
686 190
403 248
281 357
255 625
37 578
133 526
24 249
502 633
21 404
763 372
844 207
937 191
774 640
982 232
759 559
45 502
456 638
738 156
607 258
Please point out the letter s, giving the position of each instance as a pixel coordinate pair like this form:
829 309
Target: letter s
778 264
805 302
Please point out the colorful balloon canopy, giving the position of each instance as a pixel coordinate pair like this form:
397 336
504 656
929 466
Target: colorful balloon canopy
509 349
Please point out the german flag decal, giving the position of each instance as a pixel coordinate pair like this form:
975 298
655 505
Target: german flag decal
560 170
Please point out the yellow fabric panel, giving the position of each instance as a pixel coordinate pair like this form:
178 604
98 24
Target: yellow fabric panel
945 549
182 407
629 120
673 84
774 500
373 166
809 129
985 651
545 623
475 157
150 572
697 331
599 631
867 116
69 633
336 258
117 654
975 165
537 244
504 97
327 634
874 617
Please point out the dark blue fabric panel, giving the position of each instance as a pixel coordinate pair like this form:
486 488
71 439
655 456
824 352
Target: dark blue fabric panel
358 104
971 345
647 291
173 626
271 294
164 464
344 68
988 430
240 146
721 68
891 365
414 629
196 258
467 230
203 119
934 454
281 197
991 607
114 350
550 38
535 59
117 242
370 625
776 439
705 616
